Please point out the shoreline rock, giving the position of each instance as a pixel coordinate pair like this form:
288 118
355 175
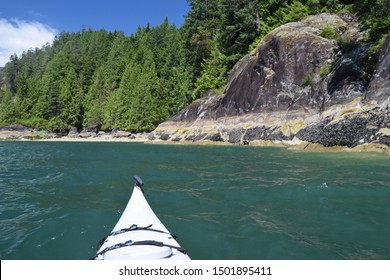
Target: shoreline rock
25 134
20 132
295 144
15 132
297 84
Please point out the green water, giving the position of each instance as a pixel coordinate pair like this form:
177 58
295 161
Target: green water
58 199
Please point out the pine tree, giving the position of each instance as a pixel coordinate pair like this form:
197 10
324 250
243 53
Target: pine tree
8 113
214 74
70 100
96 100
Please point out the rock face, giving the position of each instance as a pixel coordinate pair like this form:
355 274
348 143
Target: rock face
297 84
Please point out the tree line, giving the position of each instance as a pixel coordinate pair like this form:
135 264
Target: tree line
110 80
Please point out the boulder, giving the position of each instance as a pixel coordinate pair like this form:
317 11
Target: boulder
90 131
120 133
16 128
73 132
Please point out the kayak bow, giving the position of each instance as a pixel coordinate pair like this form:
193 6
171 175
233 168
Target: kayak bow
139 234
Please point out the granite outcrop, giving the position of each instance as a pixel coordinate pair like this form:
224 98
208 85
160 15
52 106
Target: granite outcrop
298 85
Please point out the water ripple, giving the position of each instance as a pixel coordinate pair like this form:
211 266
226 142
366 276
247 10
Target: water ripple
58 199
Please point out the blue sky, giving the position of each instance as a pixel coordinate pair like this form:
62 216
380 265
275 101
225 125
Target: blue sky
26 24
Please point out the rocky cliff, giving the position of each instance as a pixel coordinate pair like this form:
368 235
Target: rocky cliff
314 81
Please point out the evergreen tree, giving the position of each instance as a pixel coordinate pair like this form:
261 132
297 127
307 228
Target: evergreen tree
117 60
214 74
48 104
70 99
11 71
135 103
240 27
95 101
8 113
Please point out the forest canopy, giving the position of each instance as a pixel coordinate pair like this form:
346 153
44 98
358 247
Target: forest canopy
113 81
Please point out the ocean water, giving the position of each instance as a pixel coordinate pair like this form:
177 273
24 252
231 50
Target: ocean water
224 202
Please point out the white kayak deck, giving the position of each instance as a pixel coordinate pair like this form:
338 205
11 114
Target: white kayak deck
148 238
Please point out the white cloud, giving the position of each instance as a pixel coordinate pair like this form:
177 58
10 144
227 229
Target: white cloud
17 36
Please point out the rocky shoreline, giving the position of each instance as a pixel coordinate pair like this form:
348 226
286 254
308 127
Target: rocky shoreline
295 144
359 125
21 133
17 132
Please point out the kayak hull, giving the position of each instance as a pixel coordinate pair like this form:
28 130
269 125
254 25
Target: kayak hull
140 235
